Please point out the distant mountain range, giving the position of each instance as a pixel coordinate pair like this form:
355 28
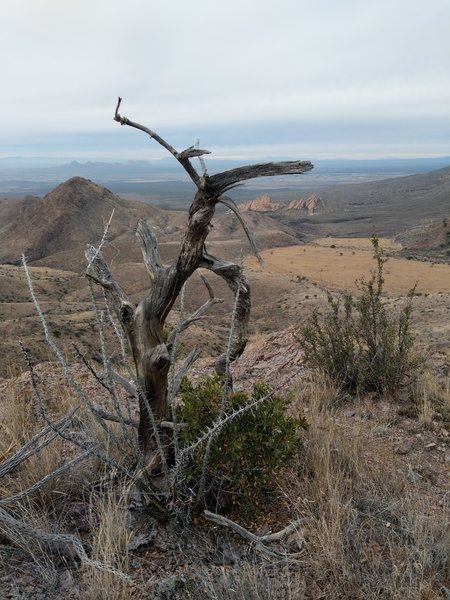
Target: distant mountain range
54 230
163 181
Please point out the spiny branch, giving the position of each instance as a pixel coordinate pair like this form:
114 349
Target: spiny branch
99 272
196 315
33 447
61 543
55 473
187 364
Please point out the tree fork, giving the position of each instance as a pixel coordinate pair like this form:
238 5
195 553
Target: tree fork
143 325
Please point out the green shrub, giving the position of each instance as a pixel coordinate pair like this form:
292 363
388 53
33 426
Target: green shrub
249 454
359 343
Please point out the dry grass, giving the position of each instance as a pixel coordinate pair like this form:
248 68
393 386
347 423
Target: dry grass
356 243
109 543
251 581
19 421
48 508
339 268
431 398
367 535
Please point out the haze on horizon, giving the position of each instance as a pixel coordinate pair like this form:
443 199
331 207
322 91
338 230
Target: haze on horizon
250 78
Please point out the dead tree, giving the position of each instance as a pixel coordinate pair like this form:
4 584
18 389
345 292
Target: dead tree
143 324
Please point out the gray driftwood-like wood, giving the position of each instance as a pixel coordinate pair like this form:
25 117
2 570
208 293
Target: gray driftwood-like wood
143 325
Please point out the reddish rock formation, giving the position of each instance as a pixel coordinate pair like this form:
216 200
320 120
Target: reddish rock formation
264 203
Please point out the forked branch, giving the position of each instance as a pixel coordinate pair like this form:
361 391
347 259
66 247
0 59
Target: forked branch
99 272
259 542
145 325
182 157
196 315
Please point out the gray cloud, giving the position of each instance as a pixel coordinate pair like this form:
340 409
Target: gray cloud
264 73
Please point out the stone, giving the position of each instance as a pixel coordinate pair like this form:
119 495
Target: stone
413 476
141 539
175 587
405 446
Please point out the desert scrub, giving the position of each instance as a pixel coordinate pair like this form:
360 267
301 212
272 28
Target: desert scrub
250 453
359 342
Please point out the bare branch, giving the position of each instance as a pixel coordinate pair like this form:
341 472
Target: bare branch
103 240
99 272
149 247
187 364
237 282
192 152
231 204
99 410
196 316
257 541
104 414
61 543
207 285
227 179
59 471
201 160
127 385
56 542
183 160
29 449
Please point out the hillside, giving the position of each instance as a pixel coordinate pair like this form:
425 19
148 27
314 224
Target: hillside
53 231
69 217
388 208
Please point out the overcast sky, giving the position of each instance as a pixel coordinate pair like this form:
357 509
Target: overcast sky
250 78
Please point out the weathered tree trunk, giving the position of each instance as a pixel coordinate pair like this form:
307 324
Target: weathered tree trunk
143 325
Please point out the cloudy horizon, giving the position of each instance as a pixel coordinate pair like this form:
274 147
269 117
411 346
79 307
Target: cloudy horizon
251 79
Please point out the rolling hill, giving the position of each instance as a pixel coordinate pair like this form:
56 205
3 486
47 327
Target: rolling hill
388 208
54 230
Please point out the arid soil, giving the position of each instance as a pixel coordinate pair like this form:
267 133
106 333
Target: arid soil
371 487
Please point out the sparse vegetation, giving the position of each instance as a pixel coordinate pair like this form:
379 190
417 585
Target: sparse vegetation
359 343
358 496
251 454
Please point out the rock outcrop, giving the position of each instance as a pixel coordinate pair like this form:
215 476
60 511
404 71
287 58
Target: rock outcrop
312 204
264 204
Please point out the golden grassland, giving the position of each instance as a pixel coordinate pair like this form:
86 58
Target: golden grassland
338 263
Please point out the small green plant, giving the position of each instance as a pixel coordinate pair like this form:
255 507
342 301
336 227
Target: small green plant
250 453
359 343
